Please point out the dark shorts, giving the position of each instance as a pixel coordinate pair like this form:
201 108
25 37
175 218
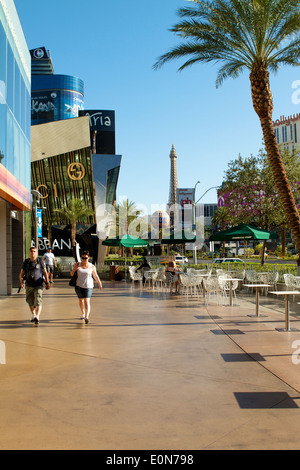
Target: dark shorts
83 293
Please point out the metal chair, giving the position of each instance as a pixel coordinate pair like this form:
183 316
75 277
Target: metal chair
135 276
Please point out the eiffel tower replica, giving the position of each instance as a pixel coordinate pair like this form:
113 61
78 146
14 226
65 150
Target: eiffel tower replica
173 185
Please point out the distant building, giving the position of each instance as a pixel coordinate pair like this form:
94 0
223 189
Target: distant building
287 132
53 97
73 153
15 188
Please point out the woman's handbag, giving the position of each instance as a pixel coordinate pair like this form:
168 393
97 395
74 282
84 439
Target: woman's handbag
73 279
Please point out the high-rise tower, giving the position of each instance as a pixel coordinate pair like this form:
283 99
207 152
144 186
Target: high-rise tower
174 177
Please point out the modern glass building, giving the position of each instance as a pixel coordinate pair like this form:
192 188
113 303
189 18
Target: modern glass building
63 169
15 158
71 158
54 97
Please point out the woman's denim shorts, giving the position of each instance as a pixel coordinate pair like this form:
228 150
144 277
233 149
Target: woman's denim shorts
83 293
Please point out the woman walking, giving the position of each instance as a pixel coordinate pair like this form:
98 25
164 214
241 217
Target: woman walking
86 274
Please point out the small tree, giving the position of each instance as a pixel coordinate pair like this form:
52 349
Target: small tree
73 212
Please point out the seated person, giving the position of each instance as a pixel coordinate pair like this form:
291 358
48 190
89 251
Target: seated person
144 267
172 268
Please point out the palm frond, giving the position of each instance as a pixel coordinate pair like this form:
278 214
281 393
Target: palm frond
238 34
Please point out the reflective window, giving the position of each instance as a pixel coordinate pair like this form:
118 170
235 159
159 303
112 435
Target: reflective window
10 142
2 54
3 133
23 106
15 105
17 155
10 77
17 94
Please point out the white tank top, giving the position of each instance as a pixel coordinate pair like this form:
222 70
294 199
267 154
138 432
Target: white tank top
85 277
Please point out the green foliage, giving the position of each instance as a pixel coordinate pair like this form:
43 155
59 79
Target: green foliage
250 194
237 35
75 211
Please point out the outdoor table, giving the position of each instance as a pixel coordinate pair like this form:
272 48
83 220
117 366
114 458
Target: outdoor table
230 279
287 294
257 287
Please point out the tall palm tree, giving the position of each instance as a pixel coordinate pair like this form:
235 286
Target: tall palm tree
73 212
221 217
258 35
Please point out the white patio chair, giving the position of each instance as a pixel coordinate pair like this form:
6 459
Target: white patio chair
212 288
288 280
225 287
160 279
135 276
150 277
170 280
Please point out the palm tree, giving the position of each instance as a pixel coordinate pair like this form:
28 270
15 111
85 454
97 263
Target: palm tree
221 217
73 212
257 35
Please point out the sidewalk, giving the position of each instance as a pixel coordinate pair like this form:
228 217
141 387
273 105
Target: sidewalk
150 371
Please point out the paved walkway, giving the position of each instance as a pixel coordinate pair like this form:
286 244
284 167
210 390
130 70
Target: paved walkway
150 371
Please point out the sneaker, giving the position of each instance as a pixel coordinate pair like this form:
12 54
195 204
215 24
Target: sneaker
86 321
36 320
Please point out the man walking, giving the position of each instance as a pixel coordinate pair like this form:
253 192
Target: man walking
50 263
32 272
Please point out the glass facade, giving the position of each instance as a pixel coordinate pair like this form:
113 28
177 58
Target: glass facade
56 97
61 179
15 106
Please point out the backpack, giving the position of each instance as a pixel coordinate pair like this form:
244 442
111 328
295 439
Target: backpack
33 272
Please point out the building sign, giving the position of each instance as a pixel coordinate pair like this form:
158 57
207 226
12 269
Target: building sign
286 121
39 222
76 171
55 105
102 125
185 197
39 53
100 120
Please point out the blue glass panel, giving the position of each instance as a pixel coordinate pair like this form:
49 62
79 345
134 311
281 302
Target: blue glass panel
23 106
10 77
2 54
17 155
3 133
17 94
27 157
10 142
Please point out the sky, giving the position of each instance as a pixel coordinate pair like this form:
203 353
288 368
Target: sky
112 46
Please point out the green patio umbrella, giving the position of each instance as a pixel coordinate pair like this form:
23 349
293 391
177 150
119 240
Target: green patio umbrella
128 241
243 232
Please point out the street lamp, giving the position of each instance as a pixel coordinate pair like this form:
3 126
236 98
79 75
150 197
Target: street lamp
194 227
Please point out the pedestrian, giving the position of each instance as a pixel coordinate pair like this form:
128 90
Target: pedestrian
172 268
86 274
32 275
50 262
144 267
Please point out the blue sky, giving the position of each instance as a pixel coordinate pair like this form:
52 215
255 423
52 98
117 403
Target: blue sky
112 46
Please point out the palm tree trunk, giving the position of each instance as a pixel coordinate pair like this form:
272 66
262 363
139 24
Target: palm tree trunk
283 241
262 253
73 234
263 106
